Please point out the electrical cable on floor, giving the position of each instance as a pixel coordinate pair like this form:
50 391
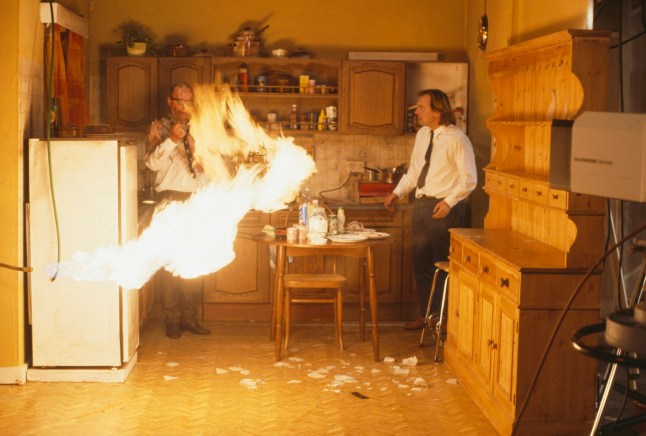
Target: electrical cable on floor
49 142
559 321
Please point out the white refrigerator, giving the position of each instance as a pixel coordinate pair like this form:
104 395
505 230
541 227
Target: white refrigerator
81 323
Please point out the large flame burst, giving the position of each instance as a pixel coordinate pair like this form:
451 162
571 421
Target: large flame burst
195 237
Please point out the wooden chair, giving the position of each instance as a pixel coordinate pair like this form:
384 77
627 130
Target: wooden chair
316 288
433 323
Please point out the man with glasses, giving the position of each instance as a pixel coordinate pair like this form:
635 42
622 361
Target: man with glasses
442 173
169 152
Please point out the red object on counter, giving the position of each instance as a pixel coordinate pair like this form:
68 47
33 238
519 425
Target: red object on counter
375 189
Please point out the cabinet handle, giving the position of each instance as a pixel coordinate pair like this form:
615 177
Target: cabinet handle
504 283
489 342
511 185
485 269
457 313
555 196
539 193
524 189
494 346
467 259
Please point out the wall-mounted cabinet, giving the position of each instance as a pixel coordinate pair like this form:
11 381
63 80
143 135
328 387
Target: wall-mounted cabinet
373 97
369 96
131 92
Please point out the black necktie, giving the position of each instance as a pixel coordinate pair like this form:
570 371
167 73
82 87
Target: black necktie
422 176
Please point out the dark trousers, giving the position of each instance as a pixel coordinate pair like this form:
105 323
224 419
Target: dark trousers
180 298
431 244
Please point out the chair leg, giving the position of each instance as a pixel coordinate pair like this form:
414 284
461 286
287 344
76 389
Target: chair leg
428 308
339 316
288 300
440 322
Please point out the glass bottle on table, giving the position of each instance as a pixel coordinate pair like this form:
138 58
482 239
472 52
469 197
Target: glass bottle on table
317 223
340 217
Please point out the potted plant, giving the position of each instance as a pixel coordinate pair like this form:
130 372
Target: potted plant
136 41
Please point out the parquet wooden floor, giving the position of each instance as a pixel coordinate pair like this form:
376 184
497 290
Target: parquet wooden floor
227 384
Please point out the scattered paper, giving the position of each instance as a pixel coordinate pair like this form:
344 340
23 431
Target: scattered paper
283 365
171 364
291 382
410 361
220 371
235 368
344 378
375 371
249 383
452 381
244 371
389 359
295 359
315 374
420 382
169 377
400 371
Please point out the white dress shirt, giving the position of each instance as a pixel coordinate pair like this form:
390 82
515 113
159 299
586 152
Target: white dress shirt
452 172
172 169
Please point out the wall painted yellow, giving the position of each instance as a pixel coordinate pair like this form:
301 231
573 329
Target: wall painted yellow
12 347
329 28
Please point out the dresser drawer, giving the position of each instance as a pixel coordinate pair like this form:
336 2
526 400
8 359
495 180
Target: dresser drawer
470 259
507 283
558 199
487 270
513 186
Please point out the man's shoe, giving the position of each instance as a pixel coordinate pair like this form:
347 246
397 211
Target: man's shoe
418 324
195 328
173 331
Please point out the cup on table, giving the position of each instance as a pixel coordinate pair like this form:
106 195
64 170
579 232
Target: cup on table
292 235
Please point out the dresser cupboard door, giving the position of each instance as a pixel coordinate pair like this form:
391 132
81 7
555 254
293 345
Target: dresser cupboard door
484 340
467 288
505 355
373 97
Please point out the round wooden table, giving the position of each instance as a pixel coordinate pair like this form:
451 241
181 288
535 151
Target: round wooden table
360 249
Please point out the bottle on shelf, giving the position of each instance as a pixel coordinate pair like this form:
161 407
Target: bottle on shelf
293 118
340 217
303 206
243 78
322 124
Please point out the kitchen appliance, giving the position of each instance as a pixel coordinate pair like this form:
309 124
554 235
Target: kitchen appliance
450 77
78 324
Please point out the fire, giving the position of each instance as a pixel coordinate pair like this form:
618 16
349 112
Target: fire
195 237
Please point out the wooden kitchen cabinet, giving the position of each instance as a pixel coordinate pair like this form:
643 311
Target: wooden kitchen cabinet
131 92
278 97
512 278
192 70
373 97
246 279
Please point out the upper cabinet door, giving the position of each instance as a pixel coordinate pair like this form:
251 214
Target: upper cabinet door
372 97
131 92
172 70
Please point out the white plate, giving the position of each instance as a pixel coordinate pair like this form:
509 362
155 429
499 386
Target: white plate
374 235
347 238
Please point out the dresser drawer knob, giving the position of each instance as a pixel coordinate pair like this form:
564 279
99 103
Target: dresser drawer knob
467 259
504 283
555 196
485 269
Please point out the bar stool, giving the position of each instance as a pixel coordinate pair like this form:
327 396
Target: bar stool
429 321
